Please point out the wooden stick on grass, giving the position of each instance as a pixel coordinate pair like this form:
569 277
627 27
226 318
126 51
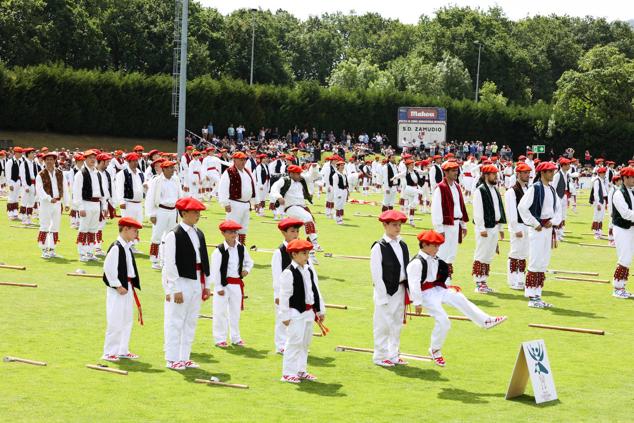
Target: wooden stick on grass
84 275
25 285
566 278
337 306
9 359
369 350
572 272
429 315
224 384
568 329
595 245
104 368
8 266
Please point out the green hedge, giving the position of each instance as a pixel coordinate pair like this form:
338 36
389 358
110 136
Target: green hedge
59 99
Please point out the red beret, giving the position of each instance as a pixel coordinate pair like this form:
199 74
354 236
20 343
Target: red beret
449 155
598 160
210 148
630 162
297 245
229 225
153 152
261 156
449 165
158 161
239 155
424 162
409 162
103 157
190 148
189 203
436 157
294 169
167 163
545 166
79 157
536 161
196 153
45 149
522 157
601 170
50 154
627 171
288 223
431 237
406 156
564 161
529 152
28 150
616 178
18 150
90 153
138 148
489 169
3 153
522 167
118 152
392 216
132 157
128 221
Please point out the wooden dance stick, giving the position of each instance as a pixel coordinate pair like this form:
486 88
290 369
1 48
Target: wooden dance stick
9 359
572 272
369 350
23 227
104 368
8 266
226 385
566 278
594 245
337 306
318 334
568 329
205 316
330 255
429 315
25 285
85 275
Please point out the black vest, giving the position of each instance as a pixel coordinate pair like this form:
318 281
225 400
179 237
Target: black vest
343 182
560 189
443 270
298 299
128 187
539 194
617 219
27 174
390 175
438 174
278 166
122 268
224 253
186 255
600 193
390 266
286 257
264 173
489 208
86 189
410 181
15 170
519 193
287 185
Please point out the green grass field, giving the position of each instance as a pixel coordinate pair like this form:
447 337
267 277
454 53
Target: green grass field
62 322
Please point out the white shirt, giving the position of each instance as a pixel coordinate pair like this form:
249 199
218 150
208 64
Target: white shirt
478 208
618 202
550 198
436 208
137 186
39 187
414 276
111 264
162 191
294 196
512 216
286 292
172 281
78 184
26 166
276 269
223 187
380 292
232 265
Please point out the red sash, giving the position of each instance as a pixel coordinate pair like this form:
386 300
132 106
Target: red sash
238 281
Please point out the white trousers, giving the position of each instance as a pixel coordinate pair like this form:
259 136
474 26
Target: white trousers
434 298
340 200
519 246
50 217
388 322
133 210
226 314
539 249
280 330
624 239
389 196
300 334
181 321
240 213
448 250
13 196
90 222
28 198
598 215
119 317
165 221
486 246
261 192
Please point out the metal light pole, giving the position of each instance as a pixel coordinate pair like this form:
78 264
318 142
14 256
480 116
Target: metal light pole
182 87
252 42
478 71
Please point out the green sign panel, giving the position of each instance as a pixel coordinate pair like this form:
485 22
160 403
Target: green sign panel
539 149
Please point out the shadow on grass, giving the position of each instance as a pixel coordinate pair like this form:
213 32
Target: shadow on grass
417 373
530 401
203 358
519 295
554 294
325 277
59 260
261 266
483 303
349 225
323 389
466 397
136 366
321 361
574 313
247 352
190 375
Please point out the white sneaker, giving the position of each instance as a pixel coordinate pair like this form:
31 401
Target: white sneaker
157 266
538 303
91 257
621 293
45 255
175 365
99 252
517 287
84 258
494 321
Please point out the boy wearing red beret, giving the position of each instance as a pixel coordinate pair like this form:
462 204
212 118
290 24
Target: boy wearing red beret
121 276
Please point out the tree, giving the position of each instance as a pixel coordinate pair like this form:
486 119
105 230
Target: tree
355 74
602 90
454 77
489 94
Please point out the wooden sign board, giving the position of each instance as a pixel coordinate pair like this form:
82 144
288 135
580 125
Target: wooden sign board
532 362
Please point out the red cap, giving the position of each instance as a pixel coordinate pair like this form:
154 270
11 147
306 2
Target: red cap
28 150
167 163
627 171
431 237
545 166
436 157
449 165
90 153
289 222
489 169
132 157
190 148
103 157
601 170
406 156
229 225
49 154
564 161
297 245
189 203
128 221
158 161
153 152
138 148
392 216
18 150
79 157
239 155
409 162
118 152
616 178
196 153
294 169
522 167
448 155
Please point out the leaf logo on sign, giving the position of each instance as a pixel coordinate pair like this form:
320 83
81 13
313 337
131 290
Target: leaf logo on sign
537 354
